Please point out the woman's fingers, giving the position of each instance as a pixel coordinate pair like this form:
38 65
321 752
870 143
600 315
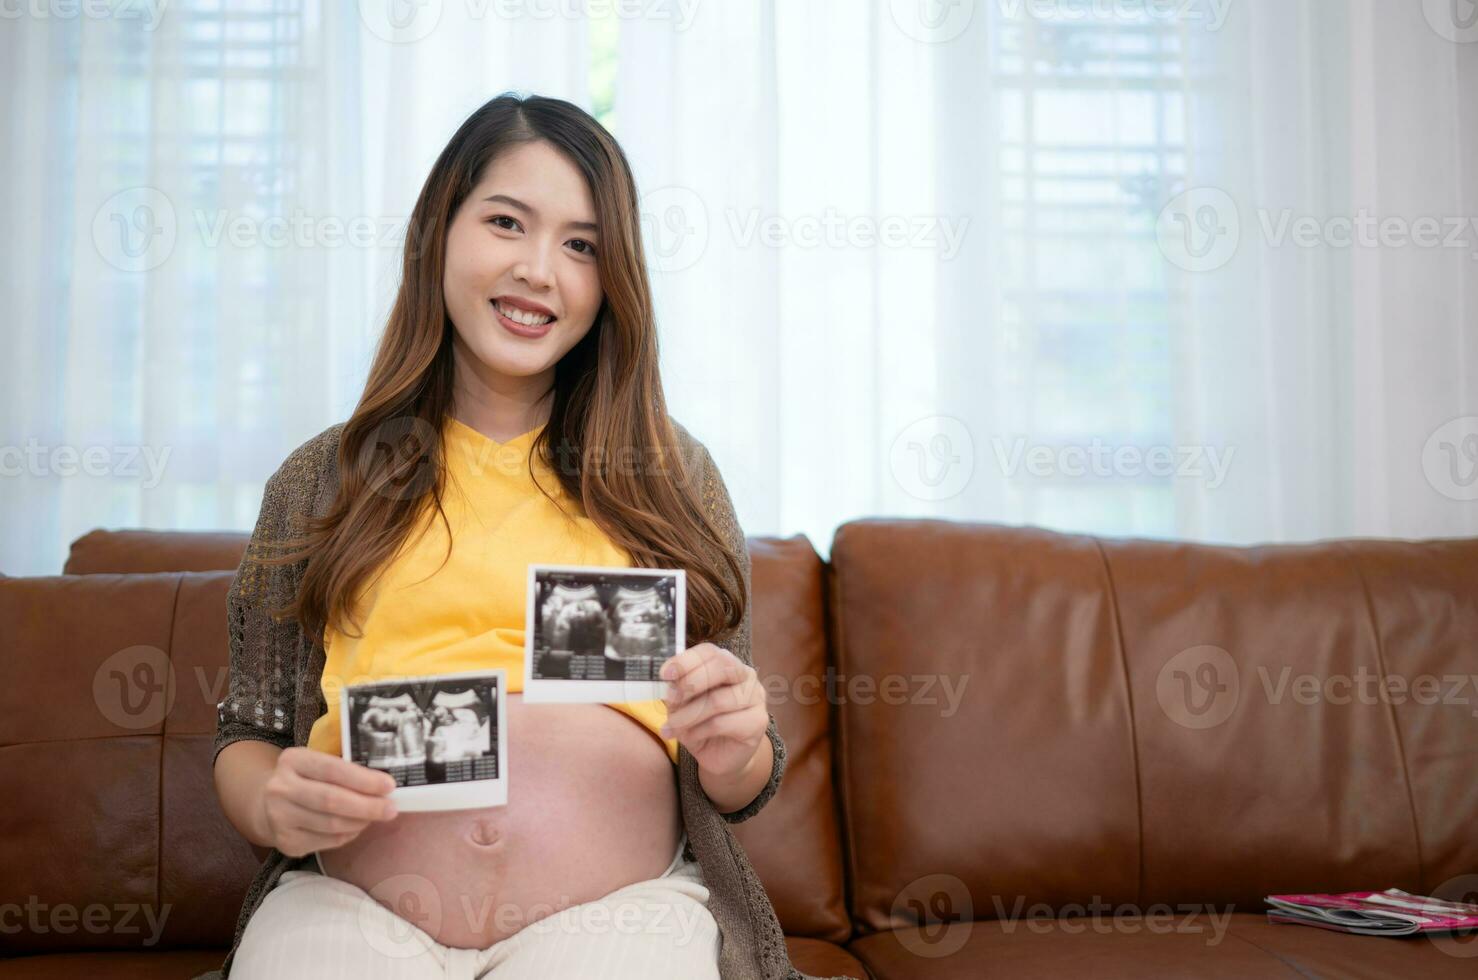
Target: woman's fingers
335 800
302 818
700 669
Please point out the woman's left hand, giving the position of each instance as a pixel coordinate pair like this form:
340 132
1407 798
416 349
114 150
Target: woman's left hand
715 707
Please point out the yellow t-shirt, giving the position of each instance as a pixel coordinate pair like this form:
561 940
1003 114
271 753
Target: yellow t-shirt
469 613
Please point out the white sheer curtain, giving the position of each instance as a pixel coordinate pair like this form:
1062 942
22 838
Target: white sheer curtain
914 259
1331 327
1037 347
204 214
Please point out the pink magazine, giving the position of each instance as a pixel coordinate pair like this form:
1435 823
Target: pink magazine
1392 912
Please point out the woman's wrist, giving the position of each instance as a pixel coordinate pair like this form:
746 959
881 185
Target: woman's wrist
733 792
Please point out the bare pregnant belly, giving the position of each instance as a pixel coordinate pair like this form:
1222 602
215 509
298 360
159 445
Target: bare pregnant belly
592 807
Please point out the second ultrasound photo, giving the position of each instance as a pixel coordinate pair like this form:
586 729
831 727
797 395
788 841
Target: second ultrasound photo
598 634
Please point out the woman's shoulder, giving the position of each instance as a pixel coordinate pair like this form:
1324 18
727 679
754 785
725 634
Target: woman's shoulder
306 471
307 462
691 448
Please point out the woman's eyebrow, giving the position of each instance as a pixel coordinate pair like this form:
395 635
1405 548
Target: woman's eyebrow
514 202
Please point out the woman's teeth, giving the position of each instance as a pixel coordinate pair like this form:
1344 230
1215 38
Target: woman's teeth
522 316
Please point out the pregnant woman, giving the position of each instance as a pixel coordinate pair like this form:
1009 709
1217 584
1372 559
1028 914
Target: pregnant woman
513 414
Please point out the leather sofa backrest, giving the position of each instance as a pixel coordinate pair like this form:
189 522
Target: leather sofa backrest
139 550
112 836
1131 721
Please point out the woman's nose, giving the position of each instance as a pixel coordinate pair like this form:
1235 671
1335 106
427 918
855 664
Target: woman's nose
535 268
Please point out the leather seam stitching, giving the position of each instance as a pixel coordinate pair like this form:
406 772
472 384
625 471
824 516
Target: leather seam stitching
1113 594
1380 658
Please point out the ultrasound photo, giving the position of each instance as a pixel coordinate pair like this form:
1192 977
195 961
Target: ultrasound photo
598 634
442 737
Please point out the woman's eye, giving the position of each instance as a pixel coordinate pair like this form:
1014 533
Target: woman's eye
589 248
495 219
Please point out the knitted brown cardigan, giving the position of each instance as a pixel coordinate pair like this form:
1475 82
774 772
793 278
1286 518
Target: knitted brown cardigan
274 695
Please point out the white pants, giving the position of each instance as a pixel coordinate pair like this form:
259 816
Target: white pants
313 926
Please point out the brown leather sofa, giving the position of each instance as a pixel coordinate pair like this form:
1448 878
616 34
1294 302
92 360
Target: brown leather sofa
1013 753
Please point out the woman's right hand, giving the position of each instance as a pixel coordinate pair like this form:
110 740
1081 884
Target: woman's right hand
315 801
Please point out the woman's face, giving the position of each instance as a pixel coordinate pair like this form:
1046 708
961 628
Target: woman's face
531 247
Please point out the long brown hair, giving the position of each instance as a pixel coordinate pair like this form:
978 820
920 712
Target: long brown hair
608 400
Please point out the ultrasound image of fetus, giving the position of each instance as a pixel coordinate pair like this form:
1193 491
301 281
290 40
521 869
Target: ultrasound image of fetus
460 728
640 618
394 733
575 621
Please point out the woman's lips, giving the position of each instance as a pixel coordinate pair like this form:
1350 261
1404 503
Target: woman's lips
521 329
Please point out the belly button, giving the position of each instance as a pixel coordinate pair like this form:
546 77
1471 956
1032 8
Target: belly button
484 833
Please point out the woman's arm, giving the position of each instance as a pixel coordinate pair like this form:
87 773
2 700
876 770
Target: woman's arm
274 793
241 772
262 686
